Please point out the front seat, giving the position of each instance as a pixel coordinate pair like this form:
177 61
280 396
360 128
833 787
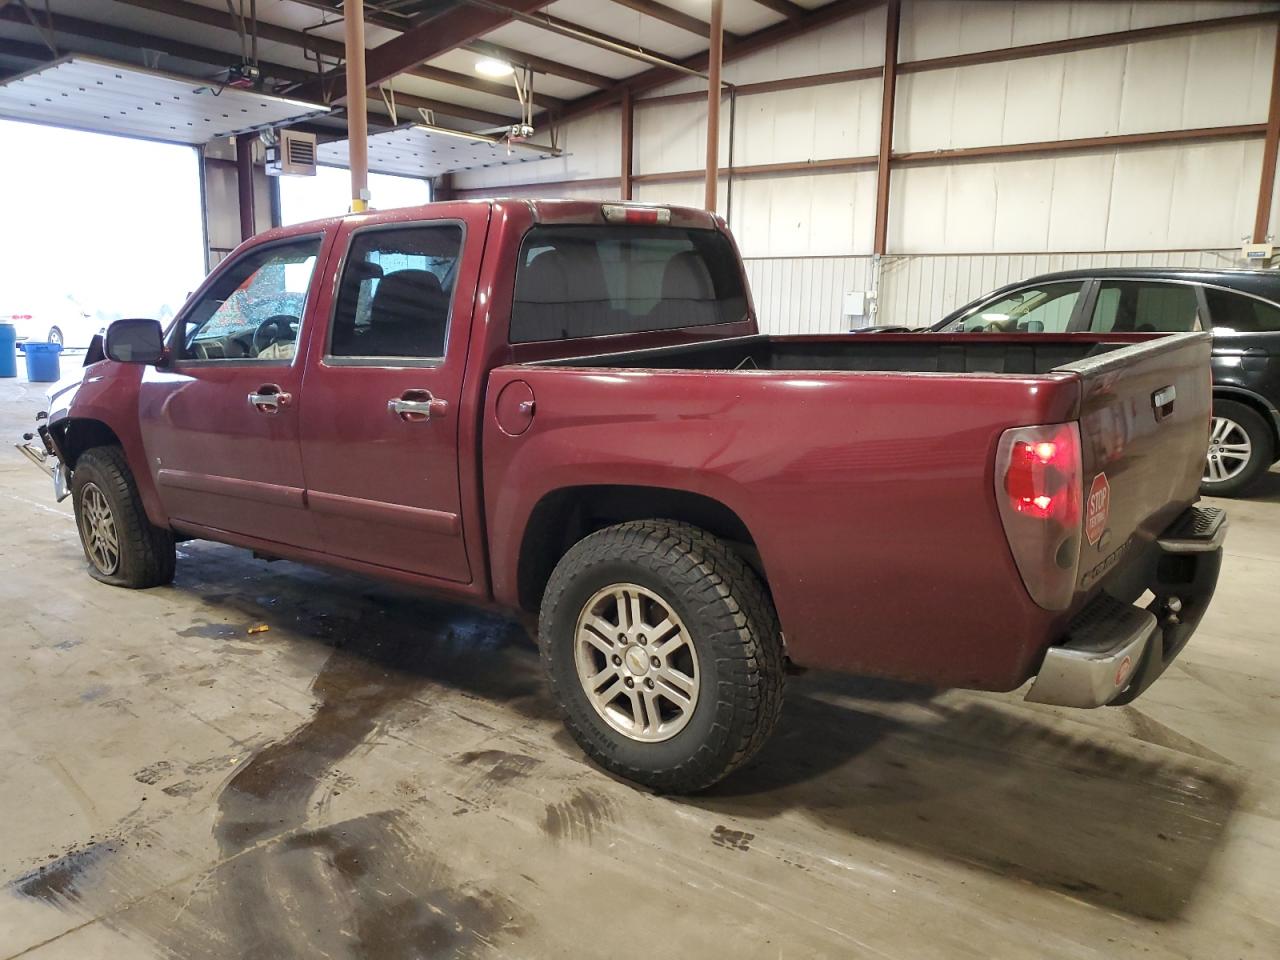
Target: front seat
408 316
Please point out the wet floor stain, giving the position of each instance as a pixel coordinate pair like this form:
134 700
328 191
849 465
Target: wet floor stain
722 836
63 879
153 773
582 817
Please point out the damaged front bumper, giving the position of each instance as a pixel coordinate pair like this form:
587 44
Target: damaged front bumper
39 449
1115 649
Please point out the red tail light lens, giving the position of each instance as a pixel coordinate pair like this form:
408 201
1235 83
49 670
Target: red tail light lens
625 213
1038 492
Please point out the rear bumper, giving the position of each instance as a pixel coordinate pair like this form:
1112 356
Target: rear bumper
1114 649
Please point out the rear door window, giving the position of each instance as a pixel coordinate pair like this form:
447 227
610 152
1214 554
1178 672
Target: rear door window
1236 313
1045 308
591 281
1138 306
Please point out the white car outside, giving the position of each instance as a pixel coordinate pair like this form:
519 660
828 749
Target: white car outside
57 320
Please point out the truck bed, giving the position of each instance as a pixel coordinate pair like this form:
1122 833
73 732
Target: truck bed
902 353
863 470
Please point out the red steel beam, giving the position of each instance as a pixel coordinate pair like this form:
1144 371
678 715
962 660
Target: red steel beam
784 7
244 185
628 131
715 61
677 18
893 21
448 31
1267 182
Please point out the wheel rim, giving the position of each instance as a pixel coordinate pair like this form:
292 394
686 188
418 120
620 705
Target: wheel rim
1229 451
636 662
98 529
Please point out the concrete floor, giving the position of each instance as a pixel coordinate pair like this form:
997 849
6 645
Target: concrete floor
381 775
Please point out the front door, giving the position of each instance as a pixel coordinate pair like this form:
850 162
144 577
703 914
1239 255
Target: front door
379 429
220 422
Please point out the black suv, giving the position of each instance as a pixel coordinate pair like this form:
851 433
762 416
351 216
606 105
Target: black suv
1240 307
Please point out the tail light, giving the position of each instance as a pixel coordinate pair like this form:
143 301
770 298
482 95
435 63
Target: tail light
1038 490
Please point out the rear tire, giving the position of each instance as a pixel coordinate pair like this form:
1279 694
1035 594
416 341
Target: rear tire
706 681
123 548
1238 430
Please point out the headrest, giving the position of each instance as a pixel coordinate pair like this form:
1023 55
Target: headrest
686 278
406 295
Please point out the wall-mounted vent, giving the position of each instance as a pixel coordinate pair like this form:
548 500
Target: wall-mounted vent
293 155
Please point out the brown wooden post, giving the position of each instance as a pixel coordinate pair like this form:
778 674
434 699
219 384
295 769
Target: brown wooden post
893 15
628 130
357 109
716 60
1267 186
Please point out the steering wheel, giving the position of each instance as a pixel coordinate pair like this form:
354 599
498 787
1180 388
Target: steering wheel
282 326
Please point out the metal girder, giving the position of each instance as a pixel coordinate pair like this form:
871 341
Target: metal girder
761 39
785 7
677 18
424 41
209 16
552 68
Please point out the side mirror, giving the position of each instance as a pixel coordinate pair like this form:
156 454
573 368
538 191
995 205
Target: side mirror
135 341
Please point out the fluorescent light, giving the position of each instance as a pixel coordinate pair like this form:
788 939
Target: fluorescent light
493 68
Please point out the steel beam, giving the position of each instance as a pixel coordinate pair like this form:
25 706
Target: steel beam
1267 182
244 185
893 21
357 109
677 18
715 62
628 157
788 9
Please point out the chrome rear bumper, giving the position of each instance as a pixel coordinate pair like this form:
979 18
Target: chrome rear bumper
1115 650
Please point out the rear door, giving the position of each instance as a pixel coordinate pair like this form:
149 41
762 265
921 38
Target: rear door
1144 306
1246 342
379 432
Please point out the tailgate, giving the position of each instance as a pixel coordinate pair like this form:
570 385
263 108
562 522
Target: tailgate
1144 430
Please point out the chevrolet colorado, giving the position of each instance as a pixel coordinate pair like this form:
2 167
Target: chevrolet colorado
566 408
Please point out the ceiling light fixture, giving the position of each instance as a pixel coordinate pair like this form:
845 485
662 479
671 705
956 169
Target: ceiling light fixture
493 68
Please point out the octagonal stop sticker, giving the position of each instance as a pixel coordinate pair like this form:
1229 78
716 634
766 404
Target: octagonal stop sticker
1097 508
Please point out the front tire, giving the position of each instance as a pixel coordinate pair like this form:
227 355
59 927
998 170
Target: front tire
663 649
1241 449
122 546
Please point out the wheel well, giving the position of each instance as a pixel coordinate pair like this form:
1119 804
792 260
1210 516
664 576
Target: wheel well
564 517
1256 405
74 436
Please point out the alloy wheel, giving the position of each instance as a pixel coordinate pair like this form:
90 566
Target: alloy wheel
1229 451
636 662
98 529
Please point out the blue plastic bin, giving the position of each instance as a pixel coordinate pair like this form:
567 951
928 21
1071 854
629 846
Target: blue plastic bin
42 361
8 350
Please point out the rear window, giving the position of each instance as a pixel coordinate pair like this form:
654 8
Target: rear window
1234 313
589 281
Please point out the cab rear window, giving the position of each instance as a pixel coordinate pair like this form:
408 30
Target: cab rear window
591 281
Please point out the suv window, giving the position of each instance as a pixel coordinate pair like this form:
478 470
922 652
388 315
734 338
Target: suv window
1134 306
396 291
590 281
255 307
1235 313
1041 309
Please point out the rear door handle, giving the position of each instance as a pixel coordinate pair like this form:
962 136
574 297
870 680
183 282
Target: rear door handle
417 406
269 398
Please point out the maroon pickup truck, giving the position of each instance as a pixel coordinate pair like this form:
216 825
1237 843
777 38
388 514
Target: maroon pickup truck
566 409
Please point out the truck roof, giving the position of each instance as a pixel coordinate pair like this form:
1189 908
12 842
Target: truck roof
545 210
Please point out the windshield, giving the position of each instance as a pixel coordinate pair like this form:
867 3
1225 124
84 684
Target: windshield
1045 308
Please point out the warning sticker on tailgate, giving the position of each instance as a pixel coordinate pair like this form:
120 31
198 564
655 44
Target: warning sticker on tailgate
1097 508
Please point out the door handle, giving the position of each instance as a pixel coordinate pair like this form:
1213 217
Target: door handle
1162 401
417 406
269 398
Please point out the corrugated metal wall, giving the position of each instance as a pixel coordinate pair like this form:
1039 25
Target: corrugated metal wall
808 235
806 295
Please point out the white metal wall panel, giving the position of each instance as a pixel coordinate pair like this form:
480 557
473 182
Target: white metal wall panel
1215 79
1157 197
673 136
809 123
805 295
933 29
799 215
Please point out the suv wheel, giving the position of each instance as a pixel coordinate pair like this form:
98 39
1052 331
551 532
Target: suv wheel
663 650
1240 449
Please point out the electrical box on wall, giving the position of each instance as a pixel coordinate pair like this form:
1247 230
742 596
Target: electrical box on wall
855 304
292 155
1258 253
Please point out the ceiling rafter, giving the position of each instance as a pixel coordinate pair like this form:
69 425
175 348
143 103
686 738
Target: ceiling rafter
785 7
813 19
677 18
429 39
211 17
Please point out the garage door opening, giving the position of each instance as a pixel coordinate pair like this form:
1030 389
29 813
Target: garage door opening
97 227
328 194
